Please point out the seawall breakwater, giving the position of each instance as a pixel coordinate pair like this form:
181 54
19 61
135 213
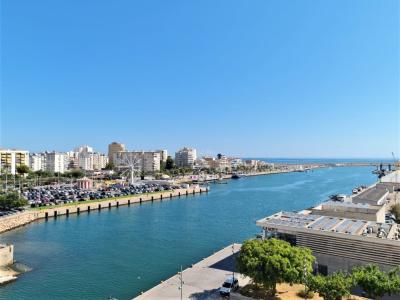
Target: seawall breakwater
23 218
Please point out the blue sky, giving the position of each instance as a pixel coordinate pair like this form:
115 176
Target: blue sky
248 78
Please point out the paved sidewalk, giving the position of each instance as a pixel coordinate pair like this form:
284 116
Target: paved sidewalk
200 281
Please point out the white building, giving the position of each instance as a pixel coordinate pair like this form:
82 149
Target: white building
163 154
100 161
85 148
56 162
148 161
185 157
37 162
10 159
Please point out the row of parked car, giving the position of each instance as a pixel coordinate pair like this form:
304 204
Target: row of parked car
54 195
11 211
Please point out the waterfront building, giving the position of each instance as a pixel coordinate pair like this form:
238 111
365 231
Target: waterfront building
147 161
337 243
185 157
10 159
113 148
344 234
56 162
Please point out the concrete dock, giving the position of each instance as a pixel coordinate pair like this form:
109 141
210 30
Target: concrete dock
201 281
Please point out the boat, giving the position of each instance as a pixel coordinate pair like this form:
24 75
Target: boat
237 175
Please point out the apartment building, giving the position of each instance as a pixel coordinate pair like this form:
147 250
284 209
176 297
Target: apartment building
56 162
185 157
113 148
10 159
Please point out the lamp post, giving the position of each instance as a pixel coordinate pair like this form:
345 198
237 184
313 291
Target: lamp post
181 283
233 263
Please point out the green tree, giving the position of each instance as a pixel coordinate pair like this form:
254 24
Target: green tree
44 173
273 261
109 166
375 282
169 164
395 210
394 281
11 200
22 169
76 173
331 287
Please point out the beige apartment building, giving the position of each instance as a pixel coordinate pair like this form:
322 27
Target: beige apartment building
114 148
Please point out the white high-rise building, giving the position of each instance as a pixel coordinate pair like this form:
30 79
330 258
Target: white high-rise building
37 162
185 157
56 162
10 159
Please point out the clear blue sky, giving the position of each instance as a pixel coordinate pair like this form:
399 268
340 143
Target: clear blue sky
249 78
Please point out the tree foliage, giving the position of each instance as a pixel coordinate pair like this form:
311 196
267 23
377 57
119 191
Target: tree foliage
377 283
76 173
22 169
169 164
109 166
11 200
273 261
331 287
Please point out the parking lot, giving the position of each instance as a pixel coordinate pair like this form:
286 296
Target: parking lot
55 195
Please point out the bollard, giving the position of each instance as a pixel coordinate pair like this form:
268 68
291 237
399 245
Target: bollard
187 193
88 209
140 200
109 205
78 210
46 215
129 202
55 214
161 197
170 195
117 203
179 194
99 207
152 198
194 192
67 212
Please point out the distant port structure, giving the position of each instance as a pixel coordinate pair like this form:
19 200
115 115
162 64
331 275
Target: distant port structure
346 232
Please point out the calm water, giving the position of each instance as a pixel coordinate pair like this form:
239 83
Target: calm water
123 251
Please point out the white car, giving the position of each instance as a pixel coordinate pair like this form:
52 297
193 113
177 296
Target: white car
229 285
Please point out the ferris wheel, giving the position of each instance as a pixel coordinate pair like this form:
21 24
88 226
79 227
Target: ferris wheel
131 166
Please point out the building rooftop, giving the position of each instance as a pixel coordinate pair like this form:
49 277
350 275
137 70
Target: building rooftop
372 194
352 227
393 177
346 206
